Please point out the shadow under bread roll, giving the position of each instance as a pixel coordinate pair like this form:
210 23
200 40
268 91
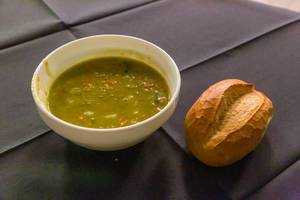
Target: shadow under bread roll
227 122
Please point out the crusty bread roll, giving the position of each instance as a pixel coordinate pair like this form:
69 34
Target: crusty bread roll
227 122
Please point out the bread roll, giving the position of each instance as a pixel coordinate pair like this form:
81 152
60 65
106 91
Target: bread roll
227 122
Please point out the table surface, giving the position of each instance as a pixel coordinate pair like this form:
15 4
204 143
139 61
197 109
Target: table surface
286 4
210 40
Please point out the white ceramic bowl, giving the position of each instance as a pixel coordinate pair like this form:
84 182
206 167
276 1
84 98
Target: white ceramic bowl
96 46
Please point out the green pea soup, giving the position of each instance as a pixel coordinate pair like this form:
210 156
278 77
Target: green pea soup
108 92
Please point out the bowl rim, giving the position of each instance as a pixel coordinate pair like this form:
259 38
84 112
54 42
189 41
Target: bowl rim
105 130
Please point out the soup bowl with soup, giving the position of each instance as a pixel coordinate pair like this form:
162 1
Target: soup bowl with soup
106 92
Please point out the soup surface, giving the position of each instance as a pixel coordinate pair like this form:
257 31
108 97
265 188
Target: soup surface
107 93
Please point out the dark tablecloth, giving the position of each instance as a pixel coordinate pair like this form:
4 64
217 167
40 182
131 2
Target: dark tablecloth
210 40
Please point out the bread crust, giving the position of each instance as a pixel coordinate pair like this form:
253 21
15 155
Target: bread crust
227 122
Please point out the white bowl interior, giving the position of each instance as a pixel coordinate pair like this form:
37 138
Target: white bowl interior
101 46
